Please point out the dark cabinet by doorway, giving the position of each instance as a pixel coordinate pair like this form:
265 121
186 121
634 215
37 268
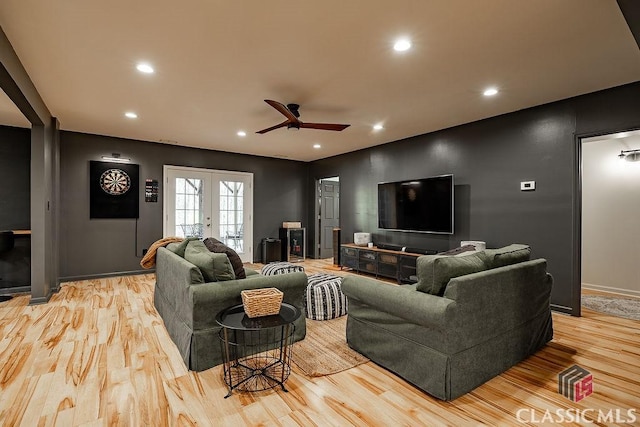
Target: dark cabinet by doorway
293 244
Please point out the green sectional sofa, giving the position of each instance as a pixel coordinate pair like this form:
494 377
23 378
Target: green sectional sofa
188 304
468 319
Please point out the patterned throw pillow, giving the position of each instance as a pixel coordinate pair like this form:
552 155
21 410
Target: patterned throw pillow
217 246
283 267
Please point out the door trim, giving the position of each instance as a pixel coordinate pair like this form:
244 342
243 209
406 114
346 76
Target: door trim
576 285
316 251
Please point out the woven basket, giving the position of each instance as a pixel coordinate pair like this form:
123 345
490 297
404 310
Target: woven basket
261 302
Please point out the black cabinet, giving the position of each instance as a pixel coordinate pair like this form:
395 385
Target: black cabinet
349 257
397 265
367 261
388 264
271 250
293 244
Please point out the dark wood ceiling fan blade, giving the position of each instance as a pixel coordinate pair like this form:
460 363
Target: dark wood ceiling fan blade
323 126
283 110
281 125
291 113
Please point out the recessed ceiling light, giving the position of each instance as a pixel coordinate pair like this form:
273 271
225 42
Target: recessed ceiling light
490 91
378 126
242 133
145 68
316 146
402 45
131 115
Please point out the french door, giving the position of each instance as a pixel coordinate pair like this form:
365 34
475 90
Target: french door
210 203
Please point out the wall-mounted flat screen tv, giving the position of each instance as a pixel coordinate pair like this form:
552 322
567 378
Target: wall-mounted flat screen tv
422 205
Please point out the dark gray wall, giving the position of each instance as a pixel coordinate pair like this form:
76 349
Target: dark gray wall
101 246
15 160
17 84
489 158
15 213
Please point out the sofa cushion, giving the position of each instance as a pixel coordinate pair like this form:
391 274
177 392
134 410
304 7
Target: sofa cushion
435 271
217 246
507 255
214 266
179 248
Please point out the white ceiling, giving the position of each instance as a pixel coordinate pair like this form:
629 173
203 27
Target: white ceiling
216 61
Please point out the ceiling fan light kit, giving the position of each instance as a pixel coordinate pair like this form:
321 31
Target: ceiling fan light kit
291 112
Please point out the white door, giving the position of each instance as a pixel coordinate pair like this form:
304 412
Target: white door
210 203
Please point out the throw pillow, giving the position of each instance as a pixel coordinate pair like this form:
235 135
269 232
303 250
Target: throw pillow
214 267
435 271
217 246
507 255
178 248
460 250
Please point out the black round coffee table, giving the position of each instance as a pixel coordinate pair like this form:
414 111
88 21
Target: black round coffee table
256 351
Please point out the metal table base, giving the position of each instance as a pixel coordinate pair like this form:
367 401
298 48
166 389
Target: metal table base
257 352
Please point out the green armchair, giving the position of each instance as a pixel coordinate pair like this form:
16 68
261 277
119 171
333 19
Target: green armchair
188 305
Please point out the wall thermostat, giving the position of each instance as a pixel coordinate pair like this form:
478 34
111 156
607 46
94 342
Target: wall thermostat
527 185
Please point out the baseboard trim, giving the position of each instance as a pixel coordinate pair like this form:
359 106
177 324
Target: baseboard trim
611 290
562 309
39 300
15 290
105 275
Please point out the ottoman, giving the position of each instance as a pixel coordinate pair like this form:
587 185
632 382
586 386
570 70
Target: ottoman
324 299
274 268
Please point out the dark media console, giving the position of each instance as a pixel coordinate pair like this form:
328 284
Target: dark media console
383 260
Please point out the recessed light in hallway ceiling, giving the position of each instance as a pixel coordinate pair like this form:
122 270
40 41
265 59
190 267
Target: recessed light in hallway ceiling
145 68
402 45
131 115
491 91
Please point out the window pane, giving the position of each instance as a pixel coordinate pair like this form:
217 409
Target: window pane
180 201
189 203
179 217
179 185
231 219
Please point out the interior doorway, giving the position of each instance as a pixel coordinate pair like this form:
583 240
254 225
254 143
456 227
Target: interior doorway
610 205
15 196
327 214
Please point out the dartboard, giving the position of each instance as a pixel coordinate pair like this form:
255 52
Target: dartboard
115 182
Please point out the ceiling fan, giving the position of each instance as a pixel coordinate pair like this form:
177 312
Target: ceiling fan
290 111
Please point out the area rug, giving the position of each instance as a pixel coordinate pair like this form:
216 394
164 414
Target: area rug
629 308
325 351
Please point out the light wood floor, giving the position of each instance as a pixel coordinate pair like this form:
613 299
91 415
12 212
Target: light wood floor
97 354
